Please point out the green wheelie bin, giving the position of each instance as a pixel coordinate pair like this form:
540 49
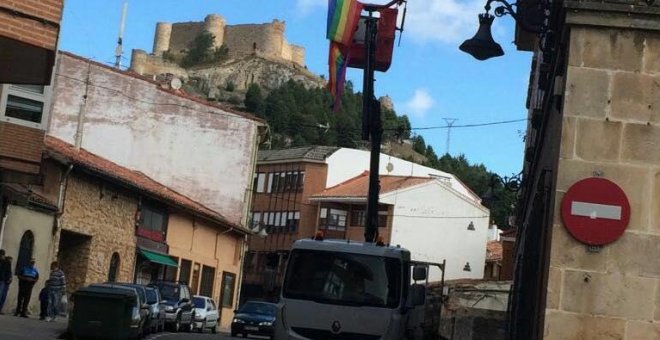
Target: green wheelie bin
105 312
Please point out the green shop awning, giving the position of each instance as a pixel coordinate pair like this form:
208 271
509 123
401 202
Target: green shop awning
158 257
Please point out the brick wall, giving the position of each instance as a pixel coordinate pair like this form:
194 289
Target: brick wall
20 148
611 125
31 31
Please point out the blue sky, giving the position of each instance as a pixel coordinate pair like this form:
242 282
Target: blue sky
430 79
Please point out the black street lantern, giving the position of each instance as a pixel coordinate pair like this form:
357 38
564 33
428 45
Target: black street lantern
530 18
482 46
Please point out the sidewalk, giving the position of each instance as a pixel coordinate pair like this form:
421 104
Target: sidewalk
12 327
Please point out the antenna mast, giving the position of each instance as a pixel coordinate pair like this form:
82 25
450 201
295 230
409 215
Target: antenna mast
119 51
450 122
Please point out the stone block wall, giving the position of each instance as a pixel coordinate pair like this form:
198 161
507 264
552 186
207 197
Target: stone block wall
107 215
611 126
146 64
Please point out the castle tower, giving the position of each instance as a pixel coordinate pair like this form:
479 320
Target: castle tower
215 25
162 38
274 41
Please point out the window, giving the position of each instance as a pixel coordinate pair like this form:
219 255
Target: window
359 217
25 251
24 104
256 219
343 279
227 292
259 182
286 181
206 286
184 271
153 223
333 219
114 267
293 221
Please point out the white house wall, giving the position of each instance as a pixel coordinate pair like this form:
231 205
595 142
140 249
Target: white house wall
20 220
200 151
347 163
432 222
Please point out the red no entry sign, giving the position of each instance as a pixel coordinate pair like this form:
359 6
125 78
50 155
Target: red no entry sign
595 211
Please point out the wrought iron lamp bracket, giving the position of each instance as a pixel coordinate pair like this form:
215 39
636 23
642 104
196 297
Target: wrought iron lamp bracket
511 9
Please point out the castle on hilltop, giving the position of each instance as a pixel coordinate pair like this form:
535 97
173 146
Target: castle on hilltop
265 40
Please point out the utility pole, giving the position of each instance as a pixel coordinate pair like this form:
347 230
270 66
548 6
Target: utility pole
450 122
371 124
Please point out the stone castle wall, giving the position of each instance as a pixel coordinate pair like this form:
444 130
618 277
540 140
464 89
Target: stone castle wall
241 40
144 63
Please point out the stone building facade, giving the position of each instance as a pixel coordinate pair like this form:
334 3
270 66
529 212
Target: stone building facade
594 108
98 221
102 233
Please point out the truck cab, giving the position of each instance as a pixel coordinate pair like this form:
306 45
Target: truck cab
339 289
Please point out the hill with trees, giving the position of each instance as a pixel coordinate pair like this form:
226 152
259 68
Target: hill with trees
300 116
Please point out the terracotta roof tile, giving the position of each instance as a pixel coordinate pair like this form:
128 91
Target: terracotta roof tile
134 179
358 187
493 251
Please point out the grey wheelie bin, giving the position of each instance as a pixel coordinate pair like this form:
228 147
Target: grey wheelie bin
105 312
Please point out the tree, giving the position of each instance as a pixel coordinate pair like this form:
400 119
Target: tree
254 101
199 51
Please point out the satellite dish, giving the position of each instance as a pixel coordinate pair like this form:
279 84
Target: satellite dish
176 83
262 233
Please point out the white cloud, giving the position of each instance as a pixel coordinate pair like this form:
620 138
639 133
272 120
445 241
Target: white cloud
419 103
304 7
445 21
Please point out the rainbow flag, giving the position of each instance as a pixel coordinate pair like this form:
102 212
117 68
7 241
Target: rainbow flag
343 17
338 61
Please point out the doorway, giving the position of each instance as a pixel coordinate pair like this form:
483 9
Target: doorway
73 256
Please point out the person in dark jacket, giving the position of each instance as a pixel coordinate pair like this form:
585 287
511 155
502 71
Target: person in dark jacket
44 297
5 277
27 277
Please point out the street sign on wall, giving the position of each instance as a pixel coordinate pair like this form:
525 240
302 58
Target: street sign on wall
595 211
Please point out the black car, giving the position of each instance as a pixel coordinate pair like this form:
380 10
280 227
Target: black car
255 318
142 293
177 303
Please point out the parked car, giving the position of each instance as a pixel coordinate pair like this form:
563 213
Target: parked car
142 293
206 314
140 310
157 311
254 317
179 312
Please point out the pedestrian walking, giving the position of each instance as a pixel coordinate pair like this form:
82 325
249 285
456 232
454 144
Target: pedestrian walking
27 277
44 296
56 290
5 277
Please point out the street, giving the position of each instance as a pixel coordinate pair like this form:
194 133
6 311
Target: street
181 336
33 329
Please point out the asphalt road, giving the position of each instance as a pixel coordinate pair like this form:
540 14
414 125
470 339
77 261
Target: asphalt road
182 336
